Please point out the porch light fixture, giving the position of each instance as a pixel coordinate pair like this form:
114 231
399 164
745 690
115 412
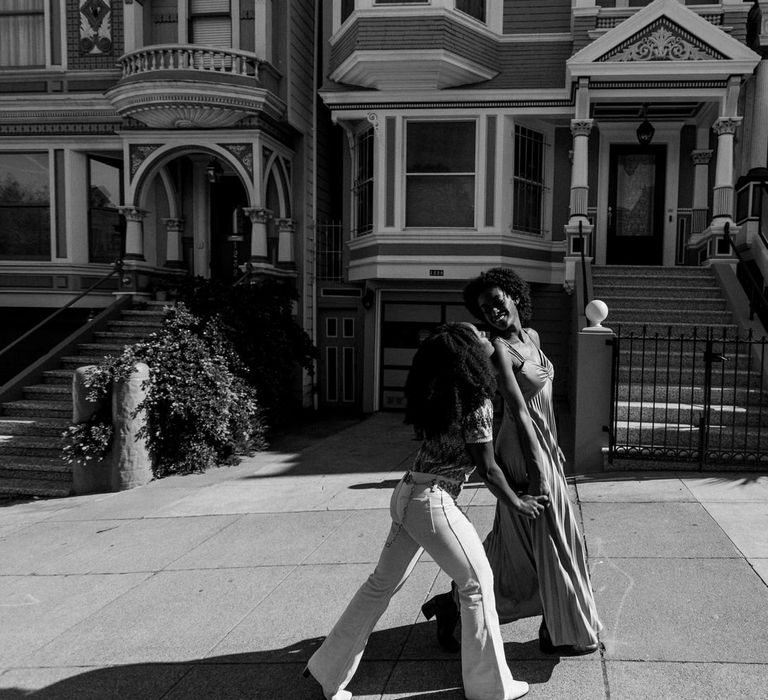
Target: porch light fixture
213 170
368 298
645 131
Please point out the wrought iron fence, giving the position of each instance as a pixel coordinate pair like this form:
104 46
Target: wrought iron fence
700 398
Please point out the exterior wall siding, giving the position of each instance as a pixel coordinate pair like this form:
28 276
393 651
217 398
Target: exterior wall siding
530 16
520 67
301 60
413 33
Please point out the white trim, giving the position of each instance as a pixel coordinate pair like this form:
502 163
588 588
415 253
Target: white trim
740 60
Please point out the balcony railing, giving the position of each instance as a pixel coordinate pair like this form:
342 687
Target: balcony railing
188 57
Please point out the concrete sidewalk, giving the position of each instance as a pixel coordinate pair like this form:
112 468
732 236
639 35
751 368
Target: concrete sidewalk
220 585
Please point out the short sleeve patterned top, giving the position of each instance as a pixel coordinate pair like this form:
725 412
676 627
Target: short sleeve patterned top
445 455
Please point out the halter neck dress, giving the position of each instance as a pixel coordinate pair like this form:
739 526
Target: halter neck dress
540 566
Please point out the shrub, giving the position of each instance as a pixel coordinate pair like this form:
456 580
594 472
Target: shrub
257 319
88 441
199 412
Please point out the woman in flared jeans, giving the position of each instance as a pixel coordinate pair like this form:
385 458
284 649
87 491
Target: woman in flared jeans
425 516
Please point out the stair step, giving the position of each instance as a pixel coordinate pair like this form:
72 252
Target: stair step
155 310
112 337
44 488
103 348
75 361
666 291
740 396
58 377
689 414
50 392
136 327
38 409
30 446
676 329
662 304
679 436
34 426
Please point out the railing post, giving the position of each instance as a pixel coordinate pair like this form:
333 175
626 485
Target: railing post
594 367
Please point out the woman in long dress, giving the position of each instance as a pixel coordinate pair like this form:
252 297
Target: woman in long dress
540 567
448 394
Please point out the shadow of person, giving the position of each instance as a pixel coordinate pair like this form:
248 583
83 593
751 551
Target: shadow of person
389 665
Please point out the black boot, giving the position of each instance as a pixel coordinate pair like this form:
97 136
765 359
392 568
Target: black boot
443 607
546 646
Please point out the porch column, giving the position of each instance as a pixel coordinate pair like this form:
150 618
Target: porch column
578 224
722 201
134 232
259 218
701 158
173 255
286 256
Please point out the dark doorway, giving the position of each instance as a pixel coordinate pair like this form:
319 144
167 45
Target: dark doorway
636 205
339 369
230 237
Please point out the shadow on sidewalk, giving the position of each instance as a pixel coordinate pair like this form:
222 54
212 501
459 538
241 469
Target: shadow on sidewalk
276 674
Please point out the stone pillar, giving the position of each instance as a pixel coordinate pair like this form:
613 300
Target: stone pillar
286 229
722 201
259 218
131 465
174 258
701 158
134 232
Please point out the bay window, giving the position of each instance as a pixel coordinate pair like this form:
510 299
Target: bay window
25 206
440 174
210 23
22 34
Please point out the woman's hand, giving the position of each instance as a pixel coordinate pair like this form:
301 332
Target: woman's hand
538 487
531 506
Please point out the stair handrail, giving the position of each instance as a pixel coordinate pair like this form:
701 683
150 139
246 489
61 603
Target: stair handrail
756 290
117 268
583 265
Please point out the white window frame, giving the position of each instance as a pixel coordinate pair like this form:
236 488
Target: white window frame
365 130
548 132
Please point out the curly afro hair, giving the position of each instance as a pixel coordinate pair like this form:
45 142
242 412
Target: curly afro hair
450 377
509 282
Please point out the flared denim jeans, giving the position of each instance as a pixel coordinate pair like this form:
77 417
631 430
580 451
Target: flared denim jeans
424 516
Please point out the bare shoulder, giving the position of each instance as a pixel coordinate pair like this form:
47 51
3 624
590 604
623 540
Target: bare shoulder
534 336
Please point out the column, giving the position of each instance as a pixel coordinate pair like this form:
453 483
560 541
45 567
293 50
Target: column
286 256
134 232
259 218
722 201
174 257
580 129
701 158
758 155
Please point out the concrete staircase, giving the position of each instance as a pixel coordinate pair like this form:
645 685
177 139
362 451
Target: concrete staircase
31 427
663 316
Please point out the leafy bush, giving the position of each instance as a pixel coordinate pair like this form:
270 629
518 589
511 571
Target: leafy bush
88 441
257 319
199 412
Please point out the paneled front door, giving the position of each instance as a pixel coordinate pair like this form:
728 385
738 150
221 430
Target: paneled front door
636 205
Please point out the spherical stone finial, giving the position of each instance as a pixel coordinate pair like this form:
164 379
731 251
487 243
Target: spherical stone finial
596 312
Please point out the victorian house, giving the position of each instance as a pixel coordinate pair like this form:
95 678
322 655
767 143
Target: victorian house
492 132
175 135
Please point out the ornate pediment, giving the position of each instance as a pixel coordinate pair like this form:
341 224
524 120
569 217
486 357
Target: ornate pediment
662 40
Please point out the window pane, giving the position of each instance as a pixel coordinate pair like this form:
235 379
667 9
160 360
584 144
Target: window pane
440 201
25 216
474 8
441 147
22 33
528 187
105 225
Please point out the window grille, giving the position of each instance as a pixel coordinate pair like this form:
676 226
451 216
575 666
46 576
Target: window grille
528 181
362 189
328 256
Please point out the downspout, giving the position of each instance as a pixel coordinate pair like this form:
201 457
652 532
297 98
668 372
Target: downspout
313 270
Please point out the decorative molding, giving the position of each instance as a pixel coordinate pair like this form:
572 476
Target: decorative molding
59 129
581 127
469 104
243 152
95 27
726 125
133 213
662 40
373 119
701 157
258 215
656 84
138 153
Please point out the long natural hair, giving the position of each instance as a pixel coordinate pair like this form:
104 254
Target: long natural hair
509 282
450 377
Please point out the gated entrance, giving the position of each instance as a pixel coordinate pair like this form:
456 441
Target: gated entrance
700 398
